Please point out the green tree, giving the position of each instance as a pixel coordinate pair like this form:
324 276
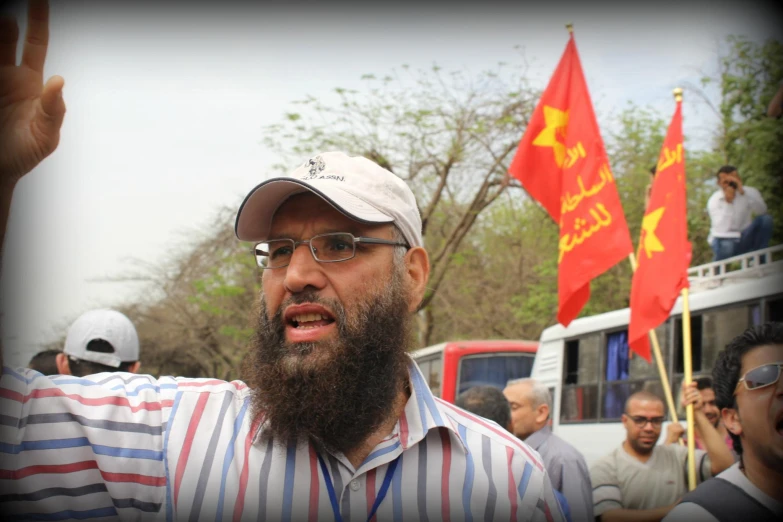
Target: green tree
748 76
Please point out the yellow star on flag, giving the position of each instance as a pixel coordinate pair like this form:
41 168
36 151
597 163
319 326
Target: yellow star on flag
556 123
651 243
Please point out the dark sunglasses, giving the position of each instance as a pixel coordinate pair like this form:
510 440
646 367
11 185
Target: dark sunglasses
761 377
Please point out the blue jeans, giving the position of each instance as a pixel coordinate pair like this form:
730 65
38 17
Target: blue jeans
755 237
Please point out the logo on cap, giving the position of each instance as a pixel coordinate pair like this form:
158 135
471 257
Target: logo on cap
316 165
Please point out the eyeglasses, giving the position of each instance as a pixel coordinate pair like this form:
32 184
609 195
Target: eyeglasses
641 422
326 248
761 377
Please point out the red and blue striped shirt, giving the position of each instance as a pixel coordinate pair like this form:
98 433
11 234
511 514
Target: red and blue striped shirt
127 446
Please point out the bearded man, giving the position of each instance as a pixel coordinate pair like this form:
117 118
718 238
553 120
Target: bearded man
337 422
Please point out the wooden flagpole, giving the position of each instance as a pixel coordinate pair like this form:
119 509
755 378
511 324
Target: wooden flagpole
687 358
688 370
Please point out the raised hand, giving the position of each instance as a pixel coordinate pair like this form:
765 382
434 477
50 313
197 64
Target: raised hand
691 395
674 432
31 113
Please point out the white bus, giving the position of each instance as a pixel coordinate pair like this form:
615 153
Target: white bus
586 364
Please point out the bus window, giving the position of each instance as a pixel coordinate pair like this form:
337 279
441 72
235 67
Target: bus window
436 375
696 326
579 398
626 374
719 327
493 370
431 368
424 366
572 361
775 310
639 368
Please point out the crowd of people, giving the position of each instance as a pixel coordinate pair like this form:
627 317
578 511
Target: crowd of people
335 421
738 416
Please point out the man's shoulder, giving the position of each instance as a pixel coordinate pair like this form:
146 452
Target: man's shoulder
564 450
669 454
32 384
606 465
751 190
474 430
690 512
715 197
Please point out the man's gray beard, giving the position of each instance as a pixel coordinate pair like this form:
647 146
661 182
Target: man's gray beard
346 387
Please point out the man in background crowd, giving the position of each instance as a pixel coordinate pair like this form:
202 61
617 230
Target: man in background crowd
100 341
45 362
531 407
488 402
749 392
711 411
643 481
739 222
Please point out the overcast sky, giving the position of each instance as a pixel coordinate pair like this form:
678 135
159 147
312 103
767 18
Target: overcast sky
166 109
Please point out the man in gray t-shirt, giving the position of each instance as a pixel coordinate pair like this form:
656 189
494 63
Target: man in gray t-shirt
641 476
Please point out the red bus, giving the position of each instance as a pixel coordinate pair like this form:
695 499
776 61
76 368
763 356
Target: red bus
453 367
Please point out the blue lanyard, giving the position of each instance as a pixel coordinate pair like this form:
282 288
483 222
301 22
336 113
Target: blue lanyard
378 499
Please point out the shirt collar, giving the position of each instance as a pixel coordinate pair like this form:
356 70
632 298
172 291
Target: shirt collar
423 413
536 439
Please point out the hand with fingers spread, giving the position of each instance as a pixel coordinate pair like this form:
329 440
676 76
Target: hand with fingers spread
31 112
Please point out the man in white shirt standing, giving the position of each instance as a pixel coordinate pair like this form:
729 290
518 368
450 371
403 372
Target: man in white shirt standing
733 228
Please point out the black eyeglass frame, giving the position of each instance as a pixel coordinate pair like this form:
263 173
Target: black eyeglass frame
641 422
295 245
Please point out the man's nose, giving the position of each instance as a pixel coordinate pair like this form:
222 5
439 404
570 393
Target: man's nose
303 270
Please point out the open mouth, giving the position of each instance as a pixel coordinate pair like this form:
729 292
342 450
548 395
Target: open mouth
310 320
779 427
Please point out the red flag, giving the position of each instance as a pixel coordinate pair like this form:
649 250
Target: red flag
562 163
664 250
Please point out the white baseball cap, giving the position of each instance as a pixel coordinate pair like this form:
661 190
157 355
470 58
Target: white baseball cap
108 325
359 188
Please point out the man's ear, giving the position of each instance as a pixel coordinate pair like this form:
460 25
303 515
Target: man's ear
731 420
61 360
542 412
417 265
134 368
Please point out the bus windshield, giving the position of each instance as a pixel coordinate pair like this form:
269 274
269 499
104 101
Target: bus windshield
493 370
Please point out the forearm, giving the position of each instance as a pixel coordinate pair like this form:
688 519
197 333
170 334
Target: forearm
636 515
719 453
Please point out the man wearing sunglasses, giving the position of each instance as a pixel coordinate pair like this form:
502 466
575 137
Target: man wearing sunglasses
641 480
336 420
749 391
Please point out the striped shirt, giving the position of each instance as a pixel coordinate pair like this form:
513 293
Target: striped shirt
129 446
